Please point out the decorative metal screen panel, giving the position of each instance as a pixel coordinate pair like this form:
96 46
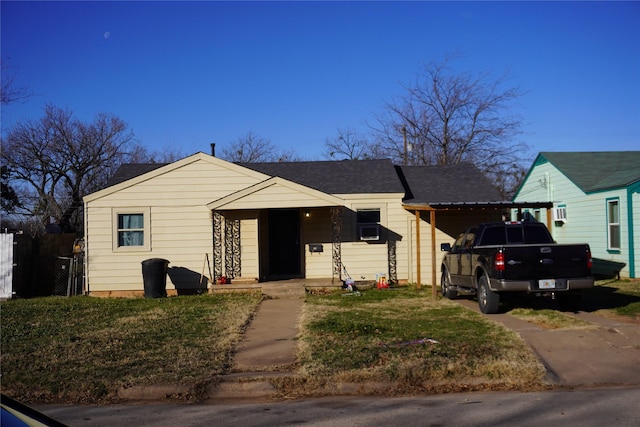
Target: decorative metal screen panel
232 248
392 257
217 245
336 238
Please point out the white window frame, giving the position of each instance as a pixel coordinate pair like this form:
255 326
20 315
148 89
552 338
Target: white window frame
613 225
146 231
361 226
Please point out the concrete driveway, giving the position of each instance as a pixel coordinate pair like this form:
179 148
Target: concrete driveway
607 354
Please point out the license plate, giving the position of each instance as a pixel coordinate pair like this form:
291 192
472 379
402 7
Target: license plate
547 284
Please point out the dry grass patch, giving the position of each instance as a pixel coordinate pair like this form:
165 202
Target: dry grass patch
551 319
405 338
83 349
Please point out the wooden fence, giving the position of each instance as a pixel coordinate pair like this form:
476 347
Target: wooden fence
45 266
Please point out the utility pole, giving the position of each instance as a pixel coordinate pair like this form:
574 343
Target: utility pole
404 137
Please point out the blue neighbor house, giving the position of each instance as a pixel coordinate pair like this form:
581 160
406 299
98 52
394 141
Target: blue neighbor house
596 199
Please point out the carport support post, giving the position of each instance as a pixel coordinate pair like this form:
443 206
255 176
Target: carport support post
418 247
432 218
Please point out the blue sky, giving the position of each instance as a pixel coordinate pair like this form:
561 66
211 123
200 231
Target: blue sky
185 74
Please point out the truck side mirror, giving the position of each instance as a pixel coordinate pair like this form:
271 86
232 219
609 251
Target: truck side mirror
445 247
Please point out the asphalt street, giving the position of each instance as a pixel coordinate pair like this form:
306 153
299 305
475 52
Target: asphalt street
580 408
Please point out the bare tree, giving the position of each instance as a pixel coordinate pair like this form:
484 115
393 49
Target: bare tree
447 118
10 200
348 144
56 160
167 154
9 91
252 149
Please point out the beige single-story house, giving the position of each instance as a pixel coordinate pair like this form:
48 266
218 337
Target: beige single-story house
262 222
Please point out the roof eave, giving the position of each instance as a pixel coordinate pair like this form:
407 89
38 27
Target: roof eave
443 206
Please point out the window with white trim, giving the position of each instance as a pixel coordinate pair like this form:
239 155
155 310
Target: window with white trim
131 230
613 224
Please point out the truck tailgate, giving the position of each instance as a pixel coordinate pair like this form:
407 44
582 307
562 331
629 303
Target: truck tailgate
532 262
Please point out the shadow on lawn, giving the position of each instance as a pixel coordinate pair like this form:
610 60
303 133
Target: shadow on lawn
600 297
606 297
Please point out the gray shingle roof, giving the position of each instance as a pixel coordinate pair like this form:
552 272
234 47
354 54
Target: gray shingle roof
337 177
446 184
131 170
594 171
420 184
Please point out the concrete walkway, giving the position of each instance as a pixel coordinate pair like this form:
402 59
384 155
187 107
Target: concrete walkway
269 345
271 339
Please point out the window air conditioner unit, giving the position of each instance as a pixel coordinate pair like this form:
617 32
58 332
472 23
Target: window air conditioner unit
369 232
560 214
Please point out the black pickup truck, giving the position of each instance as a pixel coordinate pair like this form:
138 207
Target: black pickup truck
493 259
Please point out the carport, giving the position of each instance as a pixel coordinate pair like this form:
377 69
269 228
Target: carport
434 208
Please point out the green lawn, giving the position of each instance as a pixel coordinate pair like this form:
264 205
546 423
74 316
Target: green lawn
406 338
81 349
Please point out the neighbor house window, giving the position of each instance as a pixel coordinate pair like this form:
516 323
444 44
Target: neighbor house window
131 230
368 224
613 222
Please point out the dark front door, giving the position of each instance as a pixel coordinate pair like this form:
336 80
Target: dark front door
284 243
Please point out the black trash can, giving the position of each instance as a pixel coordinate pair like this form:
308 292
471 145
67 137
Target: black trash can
154 276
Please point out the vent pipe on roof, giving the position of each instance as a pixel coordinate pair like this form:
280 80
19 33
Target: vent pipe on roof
213 149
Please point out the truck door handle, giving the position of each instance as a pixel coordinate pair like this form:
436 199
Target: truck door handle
513 262
546 261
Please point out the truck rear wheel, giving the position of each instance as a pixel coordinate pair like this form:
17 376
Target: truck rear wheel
488 300
445 286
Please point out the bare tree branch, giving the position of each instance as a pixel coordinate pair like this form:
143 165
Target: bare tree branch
9 91
252 149
450 118
55 161
348 145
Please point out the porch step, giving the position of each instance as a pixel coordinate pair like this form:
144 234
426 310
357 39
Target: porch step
295 288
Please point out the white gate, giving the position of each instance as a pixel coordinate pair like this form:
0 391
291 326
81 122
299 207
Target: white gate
6 265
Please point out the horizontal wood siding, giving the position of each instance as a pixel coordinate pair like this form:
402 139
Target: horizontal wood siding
275 196
363 260
316 229
249 248
181 225
183 243
635 197
586 220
